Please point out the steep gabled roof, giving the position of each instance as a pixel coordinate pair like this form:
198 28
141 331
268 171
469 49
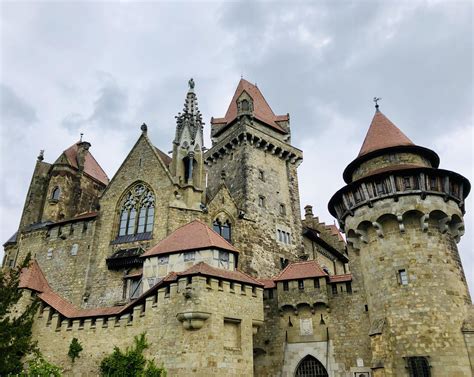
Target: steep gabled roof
192 236
382 134
91 166
301 270
261 109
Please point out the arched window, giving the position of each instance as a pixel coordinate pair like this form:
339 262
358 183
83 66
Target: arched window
137 211
56 193
224 230
310 367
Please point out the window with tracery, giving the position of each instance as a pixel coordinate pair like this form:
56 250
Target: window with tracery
418 366
137 212
223 229
310 367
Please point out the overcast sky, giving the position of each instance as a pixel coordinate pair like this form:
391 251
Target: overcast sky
103 68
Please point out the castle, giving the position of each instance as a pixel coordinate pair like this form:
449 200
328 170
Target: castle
207 253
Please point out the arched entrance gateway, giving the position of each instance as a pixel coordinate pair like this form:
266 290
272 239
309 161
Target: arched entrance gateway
309 366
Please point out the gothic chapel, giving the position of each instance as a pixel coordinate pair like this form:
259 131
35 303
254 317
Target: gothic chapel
205 250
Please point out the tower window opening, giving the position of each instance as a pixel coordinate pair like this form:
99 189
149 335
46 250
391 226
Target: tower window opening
357 196
189 256
56 193
349 287
406 183
261 175
223 229
402 277
418 366
137 212
316 283
434 184
282 209
285 286
334 289
301 285
380 188
261 201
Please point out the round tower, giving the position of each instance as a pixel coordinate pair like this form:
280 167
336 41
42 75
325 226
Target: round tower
403 217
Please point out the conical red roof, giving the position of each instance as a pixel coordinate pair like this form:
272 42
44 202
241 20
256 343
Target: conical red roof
382 134
193 236
261 109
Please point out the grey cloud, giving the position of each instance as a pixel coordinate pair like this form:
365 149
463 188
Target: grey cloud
109 108
13 108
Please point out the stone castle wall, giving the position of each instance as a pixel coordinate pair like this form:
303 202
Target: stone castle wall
223 345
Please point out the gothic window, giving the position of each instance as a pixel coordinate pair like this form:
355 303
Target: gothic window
310 367
56 193
224 230
137 212
418 366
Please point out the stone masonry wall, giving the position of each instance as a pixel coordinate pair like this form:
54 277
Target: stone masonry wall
199 352
424 317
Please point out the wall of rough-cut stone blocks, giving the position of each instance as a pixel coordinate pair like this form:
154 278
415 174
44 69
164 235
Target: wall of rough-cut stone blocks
424 317
201 352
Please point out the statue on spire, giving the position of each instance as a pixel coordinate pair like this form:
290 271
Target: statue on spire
191 83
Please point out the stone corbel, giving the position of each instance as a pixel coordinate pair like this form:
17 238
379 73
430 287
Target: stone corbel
378 229
362 235
424 222
401 226
443 224
193 320
354 242
458 231
256 323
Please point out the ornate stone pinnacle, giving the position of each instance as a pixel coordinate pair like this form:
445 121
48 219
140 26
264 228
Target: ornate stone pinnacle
144 128
41 155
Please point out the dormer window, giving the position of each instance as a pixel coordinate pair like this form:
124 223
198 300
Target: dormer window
56 193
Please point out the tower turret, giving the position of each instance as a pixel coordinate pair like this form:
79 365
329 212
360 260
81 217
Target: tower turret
188 145
403 217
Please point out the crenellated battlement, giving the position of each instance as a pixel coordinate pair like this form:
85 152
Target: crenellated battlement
186 295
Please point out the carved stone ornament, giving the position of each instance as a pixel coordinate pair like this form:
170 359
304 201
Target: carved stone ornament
193 320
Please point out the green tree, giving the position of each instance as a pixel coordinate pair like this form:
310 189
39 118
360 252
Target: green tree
74 349
39 367
15 328
131 363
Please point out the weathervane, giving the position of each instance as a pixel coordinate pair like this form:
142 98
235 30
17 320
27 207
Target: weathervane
376 99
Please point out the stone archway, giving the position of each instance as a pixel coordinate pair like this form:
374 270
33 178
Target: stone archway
309 366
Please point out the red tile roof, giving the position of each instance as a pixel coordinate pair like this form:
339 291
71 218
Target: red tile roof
335 231
91 166
193 236
202 268
301 270
382 134
82 216
340 278
261 109
267 283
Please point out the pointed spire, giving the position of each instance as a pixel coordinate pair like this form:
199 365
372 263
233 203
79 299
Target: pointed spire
191 116
382 134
